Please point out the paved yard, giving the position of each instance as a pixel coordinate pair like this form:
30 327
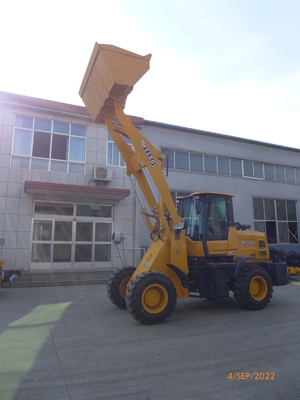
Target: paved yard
72 343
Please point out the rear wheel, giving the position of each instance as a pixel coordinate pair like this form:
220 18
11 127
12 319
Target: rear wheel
253 287
116 286
151 297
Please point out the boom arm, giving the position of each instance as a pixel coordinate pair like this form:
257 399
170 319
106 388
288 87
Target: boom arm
109 78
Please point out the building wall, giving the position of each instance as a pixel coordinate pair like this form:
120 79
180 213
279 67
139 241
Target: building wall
17 207
244 189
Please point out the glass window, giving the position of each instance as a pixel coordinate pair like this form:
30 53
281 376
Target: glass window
59 166
283 235
269 210
41 144
223 166
281 211
260 226
59 147
24 122
84 231
297 175
76 168
290 174
41 252
112 154
196 162
62 231
236 167
62 252
170 155
42 124
258 208
106 211
293 232
248 168
87 210
210 164
269 172
77 149
61 127
42 230
78 130
83 253
291 210
218 226
276 230
279 170
182 160
22 142
39 163
103 232
20 162
102 252
42 207
258 170
93 210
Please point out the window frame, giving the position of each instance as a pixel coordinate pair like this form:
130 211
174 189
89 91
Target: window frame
42 158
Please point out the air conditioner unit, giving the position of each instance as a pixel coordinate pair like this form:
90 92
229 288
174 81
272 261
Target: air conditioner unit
102 173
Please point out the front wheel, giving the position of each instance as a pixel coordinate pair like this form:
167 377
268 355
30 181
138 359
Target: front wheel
116 286
253 287
151 297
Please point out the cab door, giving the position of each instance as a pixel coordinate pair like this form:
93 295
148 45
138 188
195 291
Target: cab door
219 220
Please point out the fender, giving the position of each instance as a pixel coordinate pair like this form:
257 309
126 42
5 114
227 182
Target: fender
181 275
239 262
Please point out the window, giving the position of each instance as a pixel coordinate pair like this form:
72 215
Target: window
48 145
218 224
223 166
210 164
290 174
269 172
113 155
196 162
277 219
71 233
182 160
253 169
236 167
279 172
170 157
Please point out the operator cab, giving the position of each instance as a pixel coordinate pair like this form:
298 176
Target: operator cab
207 216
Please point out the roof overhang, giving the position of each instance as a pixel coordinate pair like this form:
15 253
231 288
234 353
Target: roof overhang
58 189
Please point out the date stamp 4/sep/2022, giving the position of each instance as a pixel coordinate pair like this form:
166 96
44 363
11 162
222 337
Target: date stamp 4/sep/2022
252 376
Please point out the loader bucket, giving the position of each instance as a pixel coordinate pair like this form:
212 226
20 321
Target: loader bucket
110 75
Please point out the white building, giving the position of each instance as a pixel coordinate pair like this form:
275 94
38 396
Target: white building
64 188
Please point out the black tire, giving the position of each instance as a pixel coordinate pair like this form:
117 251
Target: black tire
151 297
253 287
116 286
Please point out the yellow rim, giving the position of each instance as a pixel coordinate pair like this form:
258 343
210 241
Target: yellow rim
123 286
155 298
258 288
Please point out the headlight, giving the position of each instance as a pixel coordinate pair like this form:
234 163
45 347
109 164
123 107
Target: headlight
178 226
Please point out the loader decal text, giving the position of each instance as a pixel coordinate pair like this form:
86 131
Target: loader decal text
148 153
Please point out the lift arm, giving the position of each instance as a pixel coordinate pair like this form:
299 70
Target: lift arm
109 79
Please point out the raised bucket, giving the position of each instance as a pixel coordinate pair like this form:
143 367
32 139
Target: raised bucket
110 74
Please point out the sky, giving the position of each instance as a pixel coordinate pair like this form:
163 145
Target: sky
224 66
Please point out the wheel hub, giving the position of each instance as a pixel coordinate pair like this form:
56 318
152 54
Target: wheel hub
258 288
154 298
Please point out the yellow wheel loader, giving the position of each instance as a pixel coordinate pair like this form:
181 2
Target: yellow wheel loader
197 249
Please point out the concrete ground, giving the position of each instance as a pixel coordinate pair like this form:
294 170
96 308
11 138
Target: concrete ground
72 343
